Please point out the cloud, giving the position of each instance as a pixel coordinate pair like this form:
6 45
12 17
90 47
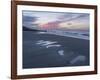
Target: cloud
29 19
55 20
73 16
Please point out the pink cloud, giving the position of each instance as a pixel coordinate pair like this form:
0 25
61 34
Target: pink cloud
51 25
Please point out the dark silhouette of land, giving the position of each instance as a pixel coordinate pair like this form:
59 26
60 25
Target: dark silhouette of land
29 29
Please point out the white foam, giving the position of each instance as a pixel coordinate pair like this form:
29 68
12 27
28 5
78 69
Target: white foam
78 58
41 32
78 35
48 44
61 52
52 46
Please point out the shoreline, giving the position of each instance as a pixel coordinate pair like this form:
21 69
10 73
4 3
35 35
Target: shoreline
66 35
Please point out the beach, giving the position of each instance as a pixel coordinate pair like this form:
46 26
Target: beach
47 50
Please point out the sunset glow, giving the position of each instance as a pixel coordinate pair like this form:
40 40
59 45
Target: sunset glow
56 20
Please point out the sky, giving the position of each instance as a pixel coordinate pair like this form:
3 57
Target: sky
55 20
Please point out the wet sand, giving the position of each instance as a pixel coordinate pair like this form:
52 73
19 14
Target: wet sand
37 56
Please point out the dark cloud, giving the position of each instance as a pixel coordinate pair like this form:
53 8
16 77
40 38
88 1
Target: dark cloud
70 17
29 19
83 15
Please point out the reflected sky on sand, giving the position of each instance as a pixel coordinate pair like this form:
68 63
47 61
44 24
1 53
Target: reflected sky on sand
47 50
